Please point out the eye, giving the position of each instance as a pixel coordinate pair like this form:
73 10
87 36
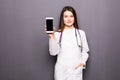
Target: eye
65 16
71 16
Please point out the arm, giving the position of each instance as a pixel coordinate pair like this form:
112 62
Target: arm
85 49
54 47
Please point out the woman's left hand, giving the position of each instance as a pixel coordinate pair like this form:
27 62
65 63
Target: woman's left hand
80 65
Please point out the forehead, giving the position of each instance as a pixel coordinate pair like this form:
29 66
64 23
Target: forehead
68 13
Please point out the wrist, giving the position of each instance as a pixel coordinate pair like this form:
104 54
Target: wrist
51 36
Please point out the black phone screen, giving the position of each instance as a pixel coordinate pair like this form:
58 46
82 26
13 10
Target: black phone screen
49 24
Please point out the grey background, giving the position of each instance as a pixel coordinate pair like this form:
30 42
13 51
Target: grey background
24 44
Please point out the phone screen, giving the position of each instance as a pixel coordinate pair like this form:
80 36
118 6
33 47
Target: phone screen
49 24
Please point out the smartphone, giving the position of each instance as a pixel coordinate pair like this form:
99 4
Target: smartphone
49 25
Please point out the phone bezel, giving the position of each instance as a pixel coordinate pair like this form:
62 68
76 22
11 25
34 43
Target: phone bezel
47 18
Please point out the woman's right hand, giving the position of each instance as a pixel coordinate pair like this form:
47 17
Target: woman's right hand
51 35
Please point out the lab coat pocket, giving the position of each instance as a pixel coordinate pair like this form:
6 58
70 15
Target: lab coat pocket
79 71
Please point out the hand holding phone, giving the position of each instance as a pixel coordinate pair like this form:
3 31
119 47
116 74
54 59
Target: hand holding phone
49 25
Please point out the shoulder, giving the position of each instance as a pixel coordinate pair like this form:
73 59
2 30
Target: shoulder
57 34
81 31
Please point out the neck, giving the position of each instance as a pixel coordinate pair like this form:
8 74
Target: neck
69 27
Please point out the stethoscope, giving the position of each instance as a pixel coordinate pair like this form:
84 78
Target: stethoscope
77 32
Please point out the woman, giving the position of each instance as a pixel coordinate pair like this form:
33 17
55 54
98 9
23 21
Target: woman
70 45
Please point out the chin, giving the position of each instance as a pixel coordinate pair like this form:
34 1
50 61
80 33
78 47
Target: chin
69 25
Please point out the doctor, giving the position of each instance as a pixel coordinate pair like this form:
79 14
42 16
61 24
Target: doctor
70 45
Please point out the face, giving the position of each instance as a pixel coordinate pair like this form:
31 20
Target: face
68 18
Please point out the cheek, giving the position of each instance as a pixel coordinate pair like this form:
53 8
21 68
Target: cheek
73 19
65 19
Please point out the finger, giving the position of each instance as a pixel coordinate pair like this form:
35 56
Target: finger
54 28
76 67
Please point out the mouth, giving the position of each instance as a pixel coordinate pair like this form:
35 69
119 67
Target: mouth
69 22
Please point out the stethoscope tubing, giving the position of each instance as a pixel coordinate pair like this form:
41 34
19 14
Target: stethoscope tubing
76 35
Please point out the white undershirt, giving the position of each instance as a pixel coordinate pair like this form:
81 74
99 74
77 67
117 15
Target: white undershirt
70 52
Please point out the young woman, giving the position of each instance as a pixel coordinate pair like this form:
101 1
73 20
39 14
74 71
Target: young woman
70 45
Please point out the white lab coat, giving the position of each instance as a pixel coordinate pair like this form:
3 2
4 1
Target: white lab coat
69 54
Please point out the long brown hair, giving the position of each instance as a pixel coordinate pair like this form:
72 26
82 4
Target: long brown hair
61 21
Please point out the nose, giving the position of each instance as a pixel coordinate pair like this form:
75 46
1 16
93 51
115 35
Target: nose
69 18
